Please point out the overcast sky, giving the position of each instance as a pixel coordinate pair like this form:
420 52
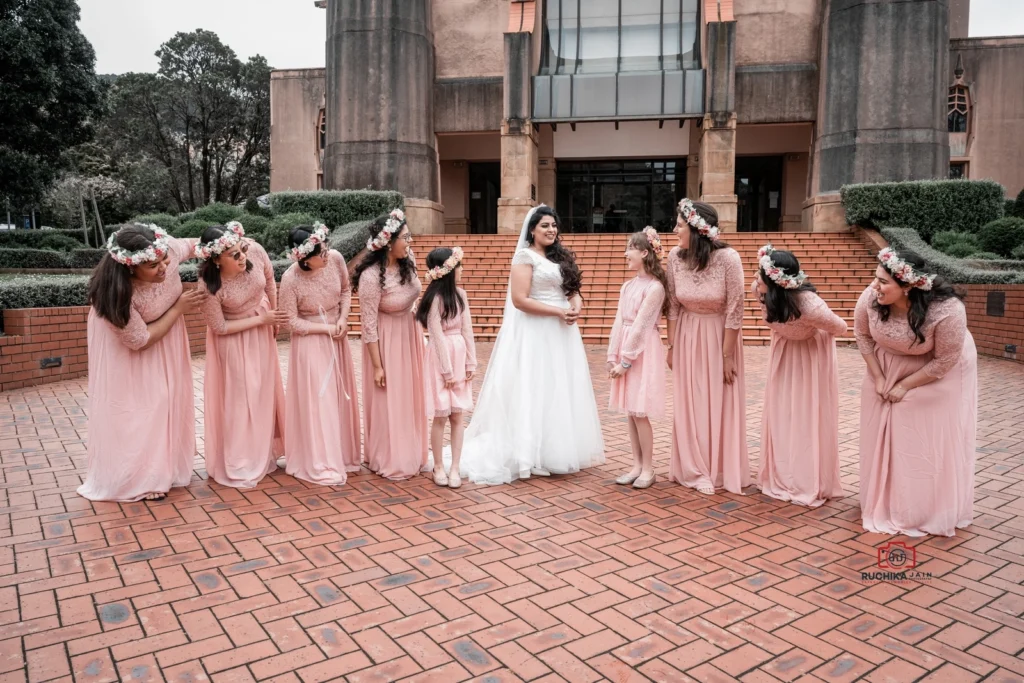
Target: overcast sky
290 33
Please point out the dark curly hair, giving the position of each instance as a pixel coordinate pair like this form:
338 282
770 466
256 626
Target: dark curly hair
110 287
781 304
572 277
208 270
698 253
919 299
406 267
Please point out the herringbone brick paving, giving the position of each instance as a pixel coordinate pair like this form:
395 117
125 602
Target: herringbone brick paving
562 579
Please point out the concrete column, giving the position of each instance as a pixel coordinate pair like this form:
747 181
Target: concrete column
547 167
519 141
380 101
718 169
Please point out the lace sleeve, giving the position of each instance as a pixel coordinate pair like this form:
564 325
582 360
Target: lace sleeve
263 261
289 303
437 338
614 340
523 257
467 334
369 303
861 323
646 322
734 290
950 333
183 248
816 313
670 277
213 311
135 334
346 284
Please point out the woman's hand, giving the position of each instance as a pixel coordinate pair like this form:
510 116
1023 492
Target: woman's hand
880 386
568 316
190 299
281 318
896 394
729 369
378 378
616 372
449 383
340 329
469 375
268 317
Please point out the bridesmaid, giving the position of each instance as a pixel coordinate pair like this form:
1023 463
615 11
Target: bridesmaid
799 457
244 395
919 401
705 289
394 401
142 438
322 414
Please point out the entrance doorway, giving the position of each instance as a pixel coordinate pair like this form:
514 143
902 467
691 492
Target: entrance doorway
620 196
484 191
759 193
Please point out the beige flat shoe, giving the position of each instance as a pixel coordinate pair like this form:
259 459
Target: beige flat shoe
627 479
440 478
454 481
645 482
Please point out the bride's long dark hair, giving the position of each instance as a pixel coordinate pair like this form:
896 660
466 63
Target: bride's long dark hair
572 276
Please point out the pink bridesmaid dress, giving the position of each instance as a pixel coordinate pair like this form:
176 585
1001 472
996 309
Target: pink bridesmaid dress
396 431
709 441
244 395
800 420
917 456
321 404
636 339
451 354
142 421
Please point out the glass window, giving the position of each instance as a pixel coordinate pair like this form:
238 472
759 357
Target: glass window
599 36
641 35
957 170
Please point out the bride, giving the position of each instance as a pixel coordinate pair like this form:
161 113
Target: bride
536 413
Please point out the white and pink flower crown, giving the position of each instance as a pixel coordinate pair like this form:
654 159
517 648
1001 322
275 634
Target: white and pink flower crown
449 265
654 239
903 271
692 218
154 252
778 276
317 237
394 224
233 234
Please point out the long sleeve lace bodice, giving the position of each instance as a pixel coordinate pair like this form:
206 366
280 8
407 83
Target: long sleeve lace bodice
716 289
461 324
640 302
240 295
814 315
305 293
150 300
393 298
945 329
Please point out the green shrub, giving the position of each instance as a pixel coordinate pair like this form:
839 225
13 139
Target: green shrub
337 208
984 256
44 291
1018 253
85 258
193 228
275 238
927 206
350 239
254 224
59 242
1002 236
217 213
1018 205
39 239
253 207
946 238
1010 208
960 249
164 220
47 259
953 269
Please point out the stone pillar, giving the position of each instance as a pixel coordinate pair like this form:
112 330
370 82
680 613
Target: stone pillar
519 141
693 160
380 98
718 129
547 167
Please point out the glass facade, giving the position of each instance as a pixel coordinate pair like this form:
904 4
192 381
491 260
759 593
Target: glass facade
621 195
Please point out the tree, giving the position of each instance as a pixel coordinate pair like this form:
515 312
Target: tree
48 90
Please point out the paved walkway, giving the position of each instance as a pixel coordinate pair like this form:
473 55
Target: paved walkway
569 578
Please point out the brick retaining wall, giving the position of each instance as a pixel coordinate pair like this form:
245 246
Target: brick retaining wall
993 333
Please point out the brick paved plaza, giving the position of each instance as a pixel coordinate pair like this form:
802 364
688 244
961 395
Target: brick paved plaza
569 578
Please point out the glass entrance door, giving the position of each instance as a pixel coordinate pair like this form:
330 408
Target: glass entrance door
758 193
620 196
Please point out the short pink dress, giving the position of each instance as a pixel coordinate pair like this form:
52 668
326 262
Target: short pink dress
800 420
142 419
321 404
451 355
243 391
396 426
709 441
636 339
917 456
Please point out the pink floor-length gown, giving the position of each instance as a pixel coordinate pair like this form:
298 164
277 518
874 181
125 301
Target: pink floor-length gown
396 428
636 339
322 410
709 441
244 394
800 420
450 355
142 421
917 455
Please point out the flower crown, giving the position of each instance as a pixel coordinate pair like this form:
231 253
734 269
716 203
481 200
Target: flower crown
692 218
318 236
233 234
778 276
395 222
903 271
653 239
449 265
154 252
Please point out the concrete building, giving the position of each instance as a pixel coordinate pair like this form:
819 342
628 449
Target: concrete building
612 110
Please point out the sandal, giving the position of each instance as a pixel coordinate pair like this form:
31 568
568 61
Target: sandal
440 478
646 482
627 479
706 489
155 496
454 481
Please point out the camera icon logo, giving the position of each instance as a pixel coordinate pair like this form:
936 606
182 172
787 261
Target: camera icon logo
897 556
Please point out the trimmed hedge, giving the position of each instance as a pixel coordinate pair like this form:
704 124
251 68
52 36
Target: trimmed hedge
193 228
927 206
956 243
164 220
1018 253
956 270
1018 205
40 239
350 239
1002 236
51 260
275 238
336 208
217 213
44 291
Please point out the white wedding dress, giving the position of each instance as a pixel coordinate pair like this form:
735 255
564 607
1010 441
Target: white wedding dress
536 410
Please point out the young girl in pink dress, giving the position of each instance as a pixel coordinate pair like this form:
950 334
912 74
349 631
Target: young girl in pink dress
394 402
450 359
919 401
636 357
705 288
800 422
244 395
321 409
142 438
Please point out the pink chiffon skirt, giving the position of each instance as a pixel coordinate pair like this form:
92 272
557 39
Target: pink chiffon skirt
641 391
396 426
244 406
322 411
442 401
142 420
709 441
800 421
917 456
